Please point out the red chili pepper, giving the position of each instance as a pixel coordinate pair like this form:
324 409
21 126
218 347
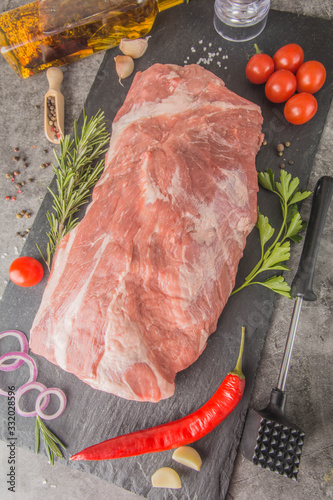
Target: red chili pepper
180 432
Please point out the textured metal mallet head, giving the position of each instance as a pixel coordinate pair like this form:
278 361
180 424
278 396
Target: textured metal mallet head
271 441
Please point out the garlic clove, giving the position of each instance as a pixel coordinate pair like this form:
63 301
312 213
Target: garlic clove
134 48
188 456
166 478
124 66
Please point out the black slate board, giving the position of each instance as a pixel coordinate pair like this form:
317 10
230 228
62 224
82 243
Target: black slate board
92 416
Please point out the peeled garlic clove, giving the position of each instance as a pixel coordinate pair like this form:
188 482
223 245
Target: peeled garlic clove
186 455
124 66
134 48
166 478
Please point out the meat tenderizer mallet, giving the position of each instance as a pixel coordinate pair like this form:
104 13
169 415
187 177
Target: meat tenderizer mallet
270 439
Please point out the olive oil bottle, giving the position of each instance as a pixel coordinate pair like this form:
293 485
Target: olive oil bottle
35 36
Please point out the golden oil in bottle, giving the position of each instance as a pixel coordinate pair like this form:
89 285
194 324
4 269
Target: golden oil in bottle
29 49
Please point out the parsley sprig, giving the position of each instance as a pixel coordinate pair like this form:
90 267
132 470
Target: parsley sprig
51 441
274 256
78 169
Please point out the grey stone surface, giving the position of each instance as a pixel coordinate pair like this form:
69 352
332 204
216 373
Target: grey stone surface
309 385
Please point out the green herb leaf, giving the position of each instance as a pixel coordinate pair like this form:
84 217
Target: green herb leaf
299 196
278 285
78 170
51 441
266 231
295 226
274 257
37 436
280 253
287 186
266 179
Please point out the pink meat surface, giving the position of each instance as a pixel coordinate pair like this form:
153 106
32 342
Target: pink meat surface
138 286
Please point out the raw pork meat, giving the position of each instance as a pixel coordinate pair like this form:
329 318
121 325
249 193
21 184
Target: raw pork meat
138 286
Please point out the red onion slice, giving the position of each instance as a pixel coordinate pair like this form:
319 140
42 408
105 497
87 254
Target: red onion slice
24 348
40 398
25 359
23 390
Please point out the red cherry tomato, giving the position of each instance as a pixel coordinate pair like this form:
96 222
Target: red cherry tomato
259 68
289 57
310 77
300 108
280 86
26 271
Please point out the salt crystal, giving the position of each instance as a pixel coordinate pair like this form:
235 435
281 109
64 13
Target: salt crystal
205 48
219 63
44 482
220 49
209 44
53 485
225 67
193 49
200 41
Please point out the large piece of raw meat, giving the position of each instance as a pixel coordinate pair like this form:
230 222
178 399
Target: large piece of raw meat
138 286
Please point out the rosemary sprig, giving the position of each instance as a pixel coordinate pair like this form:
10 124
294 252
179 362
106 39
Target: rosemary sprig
77 171
50 440
277 254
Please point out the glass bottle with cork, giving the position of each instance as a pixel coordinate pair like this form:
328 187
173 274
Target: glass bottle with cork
56 32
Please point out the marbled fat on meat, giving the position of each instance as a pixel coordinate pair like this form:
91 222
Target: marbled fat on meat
138 286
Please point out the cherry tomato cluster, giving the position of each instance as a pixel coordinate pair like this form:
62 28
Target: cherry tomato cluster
286 73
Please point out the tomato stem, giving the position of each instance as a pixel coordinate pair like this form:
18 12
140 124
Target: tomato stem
258 51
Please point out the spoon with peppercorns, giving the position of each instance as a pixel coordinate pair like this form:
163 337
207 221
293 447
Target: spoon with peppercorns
54 107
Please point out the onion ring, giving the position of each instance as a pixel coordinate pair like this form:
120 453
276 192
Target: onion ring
23 390
20 356
40 398
24 348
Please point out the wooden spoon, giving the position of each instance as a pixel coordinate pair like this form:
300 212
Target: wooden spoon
54 109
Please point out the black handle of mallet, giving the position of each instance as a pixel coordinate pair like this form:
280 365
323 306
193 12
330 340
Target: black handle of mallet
301 287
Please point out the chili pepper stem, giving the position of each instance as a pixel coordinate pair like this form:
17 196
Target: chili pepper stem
238 368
